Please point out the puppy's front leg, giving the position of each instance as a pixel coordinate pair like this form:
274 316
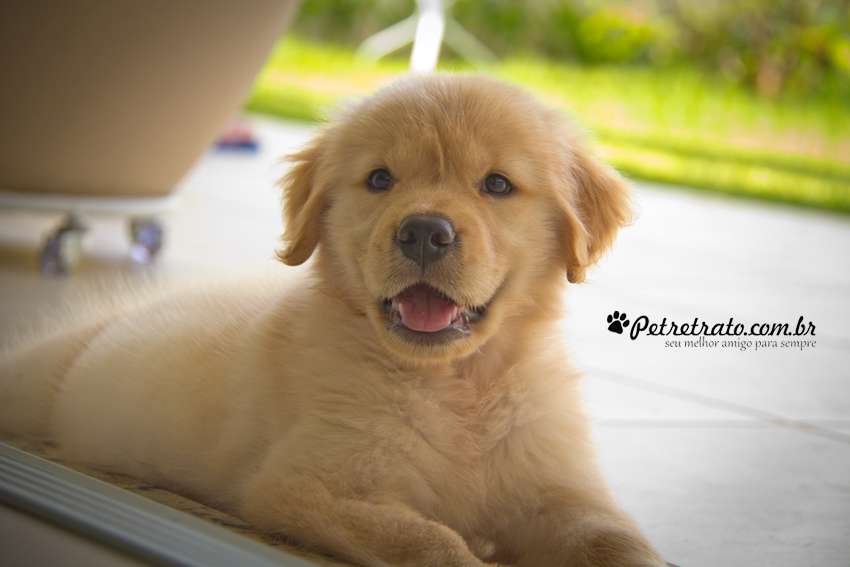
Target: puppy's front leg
362 532
566 534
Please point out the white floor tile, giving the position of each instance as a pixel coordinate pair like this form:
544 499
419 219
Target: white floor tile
733 497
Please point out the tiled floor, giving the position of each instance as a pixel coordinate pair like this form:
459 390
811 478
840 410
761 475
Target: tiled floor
726 457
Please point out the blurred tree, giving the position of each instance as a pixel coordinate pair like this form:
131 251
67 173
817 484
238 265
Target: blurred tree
771 45
349 22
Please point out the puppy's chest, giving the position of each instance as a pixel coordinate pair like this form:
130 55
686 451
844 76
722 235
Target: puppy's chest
453 442
442 420
459 424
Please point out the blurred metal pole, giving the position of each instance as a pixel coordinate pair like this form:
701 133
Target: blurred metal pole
427 29
429 36
386 41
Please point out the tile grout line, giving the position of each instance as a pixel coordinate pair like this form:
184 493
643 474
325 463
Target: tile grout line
709 423
740 409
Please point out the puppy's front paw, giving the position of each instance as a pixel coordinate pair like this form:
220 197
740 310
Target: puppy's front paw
620 548
608 546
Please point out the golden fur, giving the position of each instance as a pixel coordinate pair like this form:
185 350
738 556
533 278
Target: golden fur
303 409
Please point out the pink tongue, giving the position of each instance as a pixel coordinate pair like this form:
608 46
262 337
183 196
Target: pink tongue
424 309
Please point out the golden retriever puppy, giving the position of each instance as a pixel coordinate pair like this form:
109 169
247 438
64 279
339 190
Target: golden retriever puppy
408 400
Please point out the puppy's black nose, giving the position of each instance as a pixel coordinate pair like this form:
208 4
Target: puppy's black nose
424 238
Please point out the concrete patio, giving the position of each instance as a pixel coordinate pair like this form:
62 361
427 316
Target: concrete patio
727 456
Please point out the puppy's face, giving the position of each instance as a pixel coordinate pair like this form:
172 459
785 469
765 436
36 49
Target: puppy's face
445 207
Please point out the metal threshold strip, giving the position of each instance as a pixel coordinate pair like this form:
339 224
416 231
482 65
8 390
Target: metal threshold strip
124 521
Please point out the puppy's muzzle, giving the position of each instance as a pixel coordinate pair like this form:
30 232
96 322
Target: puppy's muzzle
425 238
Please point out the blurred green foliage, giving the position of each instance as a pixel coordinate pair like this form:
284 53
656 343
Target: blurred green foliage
349 22
800 47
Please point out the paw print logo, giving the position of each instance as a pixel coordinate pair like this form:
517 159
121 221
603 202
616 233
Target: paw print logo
617 322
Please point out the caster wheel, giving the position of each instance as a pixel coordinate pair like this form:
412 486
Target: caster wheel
64 248
147 240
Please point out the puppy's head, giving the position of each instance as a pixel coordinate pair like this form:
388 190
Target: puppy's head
447 208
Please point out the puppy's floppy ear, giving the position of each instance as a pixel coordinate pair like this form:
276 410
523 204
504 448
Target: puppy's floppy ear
595 203
303 203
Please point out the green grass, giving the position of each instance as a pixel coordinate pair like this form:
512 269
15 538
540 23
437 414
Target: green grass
671 125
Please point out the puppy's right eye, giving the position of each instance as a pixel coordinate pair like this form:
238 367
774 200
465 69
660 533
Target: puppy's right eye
380 180
496 184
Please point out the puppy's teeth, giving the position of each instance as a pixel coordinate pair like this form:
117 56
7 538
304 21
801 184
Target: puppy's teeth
454 314
400 310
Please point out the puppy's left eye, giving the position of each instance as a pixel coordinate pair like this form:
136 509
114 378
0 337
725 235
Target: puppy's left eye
380 180
497 184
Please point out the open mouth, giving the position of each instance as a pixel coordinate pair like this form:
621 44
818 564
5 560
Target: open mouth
425 314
